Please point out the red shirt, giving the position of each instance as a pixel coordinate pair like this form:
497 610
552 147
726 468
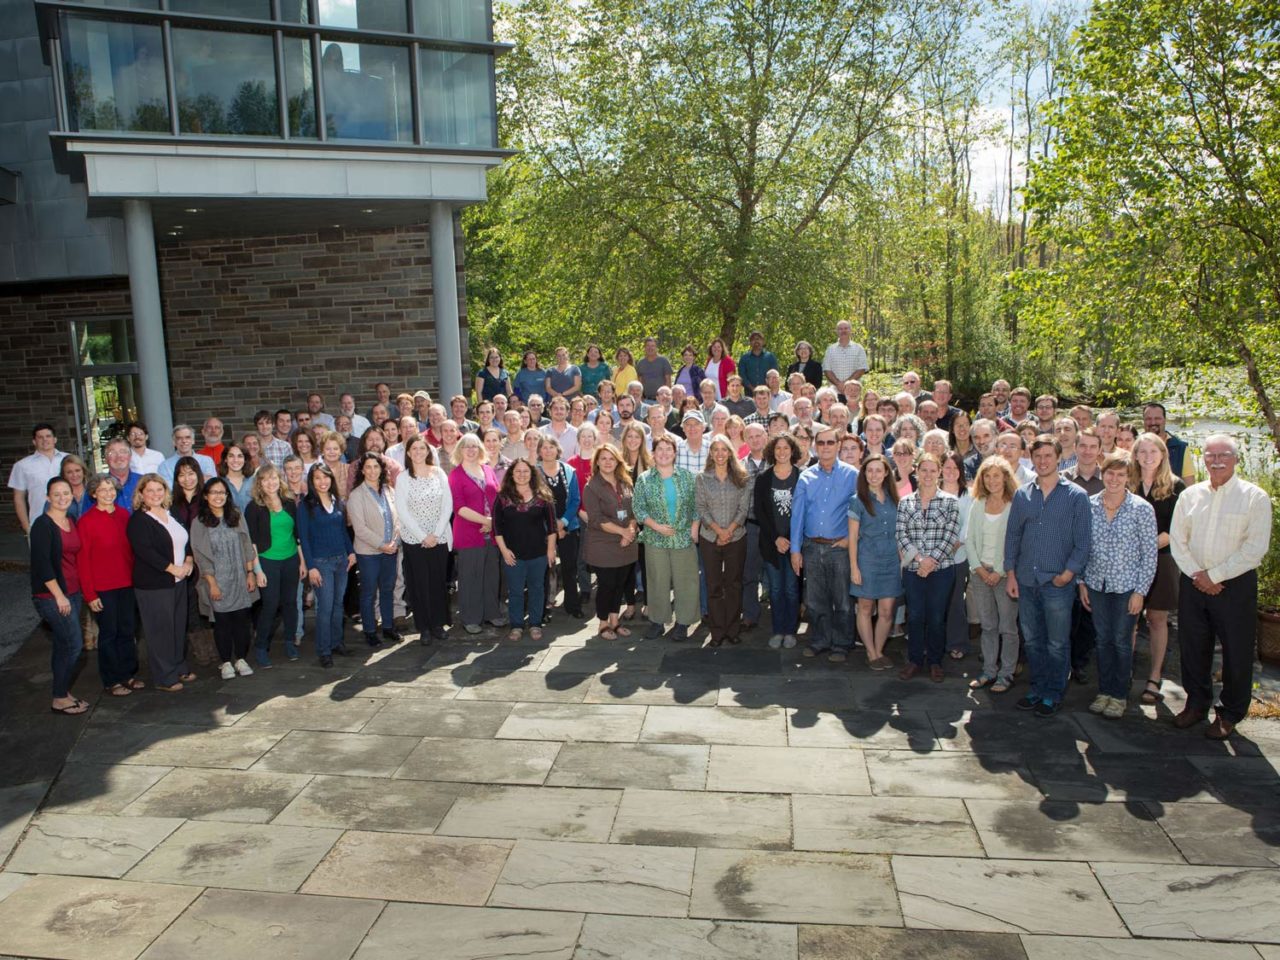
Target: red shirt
214 453
582 470
106 559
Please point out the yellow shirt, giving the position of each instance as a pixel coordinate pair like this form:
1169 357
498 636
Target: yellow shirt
623 377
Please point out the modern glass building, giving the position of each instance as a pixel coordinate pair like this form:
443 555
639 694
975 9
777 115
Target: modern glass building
216 205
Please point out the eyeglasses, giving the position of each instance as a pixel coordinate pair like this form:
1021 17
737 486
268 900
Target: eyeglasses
1219 456
828 443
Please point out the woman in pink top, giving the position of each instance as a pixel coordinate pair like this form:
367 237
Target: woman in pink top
474 487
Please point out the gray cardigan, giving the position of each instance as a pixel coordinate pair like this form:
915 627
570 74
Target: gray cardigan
366 519
202 549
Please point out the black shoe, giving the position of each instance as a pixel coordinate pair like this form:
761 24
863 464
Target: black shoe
1080 675
438 634
679 633
654 631
341 651
392 636
372 640
1028 703
1046 709
326 661
575 614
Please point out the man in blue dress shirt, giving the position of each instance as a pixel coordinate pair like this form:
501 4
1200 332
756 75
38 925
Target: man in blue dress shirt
820 545
1045 550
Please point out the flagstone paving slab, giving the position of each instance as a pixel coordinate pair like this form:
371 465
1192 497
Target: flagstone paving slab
597 878
656 766
538 813
1221 834
650 938
748 821
573 721
226 924
313 713
653 689
794 887
1004 896
100 787
17 804
987 731
900 773
241 856
1095 777
398 866
819 942
470 933
860 729
480 761
195 794
833 692
174 746
352 754
1205 903
1061 830
787 770
447 718
371 803
746 726
1094 948
923 825
528 687
88 845
83 918
643 657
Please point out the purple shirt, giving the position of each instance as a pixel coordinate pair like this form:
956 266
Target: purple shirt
468 492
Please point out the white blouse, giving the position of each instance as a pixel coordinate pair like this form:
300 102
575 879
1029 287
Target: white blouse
426 507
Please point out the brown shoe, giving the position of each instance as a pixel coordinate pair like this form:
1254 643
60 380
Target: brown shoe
909 671
1220 729
1189 717
935 673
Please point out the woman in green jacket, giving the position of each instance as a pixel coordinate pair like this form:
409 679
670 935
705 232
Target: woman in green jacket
664 506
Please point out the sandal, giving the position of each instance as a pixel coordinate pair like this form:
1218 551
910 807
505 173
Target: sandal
607 635
172 688
535 634
1152 694
187 678
515 635
72 709
119 690
1001 686
629 613
956 654
977 683
623 631
133 683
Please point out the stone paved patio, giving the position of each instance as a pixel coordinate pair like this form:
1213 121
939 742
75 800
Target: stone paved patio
587 800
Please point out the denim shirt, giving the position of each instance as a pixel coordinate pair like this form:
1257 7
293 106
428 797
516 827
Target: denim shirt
1122 552
1047 535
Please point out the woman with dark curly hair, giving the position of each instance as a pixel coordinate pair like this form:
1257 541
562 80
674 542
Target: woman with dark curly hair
228 585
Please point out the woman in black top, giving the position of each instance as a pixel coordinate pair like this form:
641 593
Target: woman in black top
161 566
773 493
524 527
55 590
188 499
563 486
806 365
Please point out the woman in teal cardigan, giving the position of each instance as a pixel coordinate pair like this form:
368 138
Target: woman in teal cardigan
665 508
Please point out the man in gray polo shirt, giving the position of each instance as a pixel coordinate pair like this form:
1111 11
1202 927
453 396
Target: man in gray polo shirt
653 370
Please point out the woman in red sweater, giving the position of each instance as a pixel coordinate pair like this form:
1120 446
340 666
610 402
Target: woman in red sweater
105 566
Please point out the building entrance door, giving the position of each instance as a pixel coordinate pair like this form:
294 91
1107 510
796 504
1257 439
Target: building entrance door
104 383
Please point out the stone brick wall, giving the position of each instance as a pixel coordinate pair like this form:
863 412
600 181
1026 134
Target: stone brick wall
258 322
35 350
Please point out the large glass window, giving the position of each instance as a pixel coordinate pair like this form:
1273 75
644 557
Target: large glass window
366 91
457 98
299 85
242 9
115 76
455 19
226 83
389 15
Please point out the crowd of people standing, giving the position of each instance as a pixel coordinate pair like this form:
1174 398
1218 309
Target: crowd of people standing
670 495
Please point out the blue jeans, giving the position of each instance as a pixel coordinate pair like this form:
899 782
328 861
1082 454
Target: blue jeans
333 573
67 641
529 574
377 577
784 596
1044 612
928 599
826 594
1113 634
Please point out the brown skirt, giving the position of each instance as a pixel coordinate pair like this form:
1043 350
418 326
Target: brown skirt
1164 591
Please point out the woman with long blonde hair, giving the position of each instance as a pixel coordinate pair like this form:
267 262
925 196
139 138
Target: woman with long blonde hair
610 542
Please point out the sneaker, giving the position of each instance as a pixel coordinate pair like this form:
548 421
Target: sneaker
811 652
789 641
1115 709
243 668
473 628
1100 703
1046 708
837 656
655 630
775 642
1028 702
326 662
291 652
372 640
228 671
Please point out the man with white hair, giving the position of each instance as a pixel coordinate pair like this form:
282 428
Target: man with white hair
1219 536
347 405
844 359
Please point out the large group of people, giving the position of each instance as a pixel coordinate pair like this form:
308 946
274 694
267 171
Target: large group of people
669 494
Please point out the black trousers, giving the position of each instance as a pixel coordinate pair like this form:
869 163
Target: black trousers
1084 638
611 583
1229 618
231 633
426 584
280 595
567 554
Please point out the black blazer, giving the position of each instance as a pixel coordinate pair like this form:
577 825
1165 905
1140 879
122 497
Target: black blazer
764 515
258 518
46 555
152 552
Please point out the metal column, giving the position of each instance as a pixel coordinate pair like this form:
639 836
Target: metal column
148 324
444 299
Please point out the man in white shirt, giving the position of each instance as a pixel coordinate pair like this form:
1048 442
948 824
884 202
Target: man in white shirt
565 433
142 459
844 359
1219 536
184 445
691 454
30 476
359 423
777 396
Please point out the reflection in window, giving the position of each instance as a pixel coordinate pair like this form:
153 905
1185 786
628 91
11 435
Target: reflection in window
366 91
295 11
244 9
454 19
115 76
299 85
365 14
457 99
226 83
